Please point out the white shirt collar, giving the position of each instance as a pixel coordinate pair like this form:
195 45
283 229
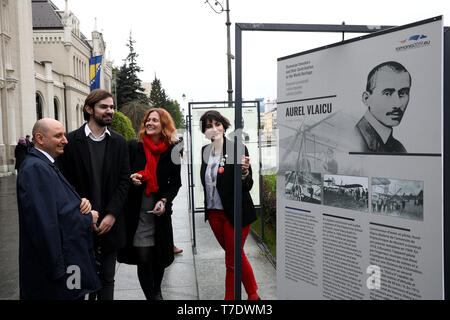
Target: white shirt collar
47 155
383 131
89 133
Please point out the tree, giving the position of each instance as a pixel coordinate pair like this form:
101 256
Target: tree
128 84
173 107
159 99
135 111
158 96
122 125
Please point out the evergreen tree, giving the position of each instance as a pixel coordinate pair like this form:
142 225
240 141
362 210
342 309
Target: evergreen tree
128 85
159 99
173 107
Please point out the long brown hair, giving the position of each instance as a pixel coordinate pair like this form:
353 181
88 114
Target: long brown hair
168 130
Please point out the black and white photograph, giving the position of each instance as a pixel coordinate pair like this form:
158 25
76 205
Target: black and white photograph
303 186
397 198
386 97
347 192
320 145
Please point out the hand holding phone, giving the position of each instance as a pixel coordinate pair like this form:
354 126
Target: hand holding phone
159 208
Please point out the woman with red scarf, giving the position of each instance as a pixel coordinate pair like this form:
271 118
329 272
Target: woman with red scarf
154 185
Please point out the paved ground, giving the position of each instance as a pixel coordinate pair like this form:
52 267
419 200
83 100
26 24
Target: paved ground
199 276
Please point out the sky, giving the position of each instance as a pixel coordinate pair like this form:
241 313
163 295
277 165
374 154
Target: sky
183 42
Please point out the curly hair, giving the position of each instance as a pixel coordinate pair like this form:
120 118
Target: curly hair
168 130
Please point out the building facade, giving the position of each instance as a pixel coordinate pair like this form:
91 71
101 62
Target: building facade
270 133
44 70
62 54
17 86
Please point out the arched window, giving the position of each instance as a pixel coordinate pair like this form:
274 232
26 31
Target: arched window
39 114
81 115
56 106
84 72
78 114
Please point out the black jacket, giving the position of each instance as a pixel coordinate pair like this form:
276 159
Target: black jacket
169 182
75 164
225 185
20 152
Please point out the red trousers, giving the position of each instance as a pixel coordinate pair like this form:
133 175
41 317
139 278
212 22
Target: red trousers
224 233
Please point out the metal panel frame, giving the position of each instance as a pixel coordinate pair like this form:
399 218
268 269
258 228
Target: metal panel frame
191 184
239 28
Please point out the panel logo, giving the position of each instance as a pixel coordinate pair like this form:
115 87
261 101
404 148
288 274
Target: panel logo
414 42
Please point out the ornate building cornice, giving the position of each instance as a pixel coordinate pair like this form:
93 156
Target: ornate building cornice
11 83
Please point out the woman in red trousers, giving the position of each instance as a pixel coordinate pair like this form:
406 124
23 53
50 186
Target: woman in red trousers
217 175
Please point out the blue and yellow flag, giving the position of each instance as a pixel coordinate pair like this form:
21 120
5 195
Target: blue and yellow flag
94 72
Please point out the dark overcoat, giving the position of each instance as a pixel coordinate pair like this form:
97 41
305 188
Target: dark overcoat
20 152
75 164
168 175
225 185
53 234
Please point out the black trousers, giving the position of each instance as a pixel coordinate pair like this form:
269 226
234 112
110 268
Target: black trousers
150 273
106 268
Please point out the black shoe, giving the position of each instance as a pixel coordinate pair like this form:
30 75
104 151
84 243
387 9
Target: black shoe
157 296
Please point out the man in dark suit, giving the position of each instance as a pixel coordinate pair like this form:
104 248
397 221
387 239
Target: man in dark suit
386 98
56 259
96 162
29 143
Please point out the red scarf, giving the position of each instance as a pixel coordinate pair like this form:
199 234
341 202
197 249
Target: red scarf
152 153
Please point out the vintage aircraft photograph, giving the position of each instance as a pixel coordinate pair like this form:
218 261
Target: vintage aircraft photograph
303 186
347 192
397 198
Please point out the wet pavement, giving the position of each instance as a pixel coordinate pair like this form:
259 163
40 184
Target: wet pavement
199 276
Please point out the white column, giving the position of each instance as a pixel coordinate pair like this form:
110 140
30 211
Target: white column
3 166
11 112
2 84
50 95
27 89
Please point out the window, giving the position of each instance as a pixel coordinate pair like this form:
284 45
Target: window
56 106
5 17
38 107
78 114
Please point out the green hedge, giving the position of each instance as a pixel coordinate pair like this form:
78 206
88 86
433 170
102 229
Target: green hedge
270 209
122 125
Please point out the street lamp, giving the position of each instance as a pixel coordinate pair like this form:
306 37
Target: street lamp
229 55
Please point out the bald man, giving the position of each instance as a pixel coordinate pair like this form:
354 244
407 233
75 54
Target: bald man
56 260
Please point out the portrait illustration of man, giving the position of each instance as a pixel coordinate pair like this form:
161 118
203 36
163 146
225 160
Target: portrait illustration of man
386 97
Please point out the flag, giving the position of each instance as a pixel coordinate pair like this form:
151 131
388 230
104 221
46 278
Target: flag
94 72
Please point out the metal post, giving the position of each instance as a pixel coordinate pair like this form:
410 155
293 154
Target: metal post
238 169
261 193
230 82
191 186
446 115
